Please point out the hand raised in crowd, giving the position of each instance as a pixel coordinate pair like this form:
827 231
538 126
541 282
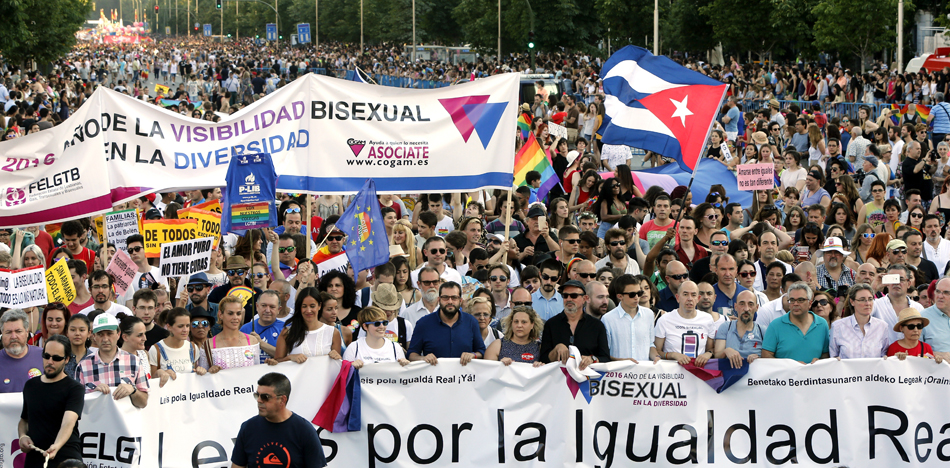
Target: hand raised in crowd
528 251
182 301
270 235
305 274
670 234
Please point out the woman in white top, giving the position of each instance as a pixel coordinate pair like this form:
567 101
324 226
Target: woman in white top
175 354
132 334
305 336
794 174
483 309
231 348
373 346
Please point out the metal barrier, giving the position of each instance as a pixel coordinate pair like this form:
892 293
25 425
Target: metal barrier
398 81
831 109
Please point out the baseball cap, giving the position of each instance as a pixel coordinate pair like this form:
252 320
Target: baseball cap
103 322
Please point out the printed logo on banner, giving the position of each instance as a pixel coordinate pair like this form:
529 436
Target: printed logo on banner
356 146
475 114
59 184
249 187
14 197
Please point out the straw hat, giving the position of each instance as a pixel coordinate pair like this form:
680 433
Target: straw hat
907 315
386 297
396 251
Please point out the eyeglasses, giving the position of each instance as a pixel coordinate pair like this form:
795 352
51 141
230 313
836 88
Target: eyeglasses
235 272
821 302
547 277
587 275
378 323
292 210
572 295
437 251
877 191
265 397
198 287
719 242
335 238
899 251
450 298
501 278
618 243
868 235
135 249
747 274
572 241
200 324
286 249
481 315
913 326
680 277
797 300
632 294
526 303
54 357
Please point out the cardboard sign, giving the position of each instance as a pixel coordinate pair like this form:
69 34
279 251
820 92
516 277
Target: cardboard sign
123 270
99 222
186 257
335 263
557 131
161 231
23 288
59 283
120 225
213 206
755 176
209 222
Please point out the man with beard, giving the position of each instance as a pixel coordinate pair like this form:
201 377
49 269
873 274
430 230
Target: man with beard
630 332
833 272
198 289
236 268
572 327
145 304
936 248
100 286
616 241
19 362
915 246
740 340
429 282
547 301
111 366
462 339
599 303
52 404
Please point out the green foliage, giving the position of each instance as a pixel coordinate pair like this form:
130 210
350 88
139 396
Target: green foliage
857 26
40 30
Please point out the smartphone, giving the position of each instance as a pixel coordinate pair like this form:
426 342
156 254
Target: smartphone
542 223
891 279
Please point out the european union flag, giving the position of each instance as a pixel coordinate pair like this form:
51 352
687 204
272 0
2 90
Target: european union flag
366 242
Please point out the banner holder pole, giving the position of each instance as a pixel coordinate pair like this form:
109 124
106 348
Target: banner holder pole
308 222
504 257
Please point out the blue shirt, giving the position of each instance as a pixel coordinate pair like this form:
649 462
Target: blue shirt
433 336
748 343
667 300
941 121
547 308
630 337
937 332
268 333
785 340
733 124
722 300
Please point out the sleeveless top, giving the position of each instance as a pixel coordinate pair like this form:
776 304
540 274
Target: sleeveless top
317 342
530 352
235 356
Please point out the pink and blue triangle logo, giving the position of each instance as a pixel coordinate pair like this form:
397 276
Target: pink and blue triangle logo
475 114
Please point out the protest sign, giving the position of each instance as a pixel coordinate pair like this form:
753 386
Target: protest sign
161 89
213 206
250 193
59 283
120 225
755 176
160 231
327 263
123 270
186 257
209 223
99 222
557 131
23 288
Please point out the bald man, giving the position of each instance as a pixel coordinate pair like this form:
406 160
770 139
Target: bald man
741 340
584 272
809 274
676 274
686 334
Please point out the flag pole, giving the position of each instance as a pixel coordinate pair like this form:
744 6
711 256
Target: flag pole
504 257
308 222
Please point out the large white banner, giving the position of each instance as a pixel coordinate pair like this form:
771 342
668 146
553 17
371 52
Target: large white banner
860 413
326 136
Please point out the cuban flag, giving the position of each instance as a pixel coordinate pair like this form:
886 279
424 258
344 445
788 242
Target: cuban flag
655 104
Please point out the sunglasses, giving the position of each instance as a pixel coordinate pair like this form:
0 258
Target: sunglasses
430 283
200 324
265 397
517 304
821 302
916 215
747 274
501 278
54 357
617 243
914 326
292 210
546 277
719 242
679 277
572 295
198 288
378 323
437 251
868 235
235 272
572 241
334 238
55 306
712 217
633 294
899 251
135 249
587 275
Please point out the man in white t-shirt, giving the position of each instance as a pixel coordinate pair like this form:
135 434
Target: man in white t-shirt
686 334
100 286
146 276
444 224
435 252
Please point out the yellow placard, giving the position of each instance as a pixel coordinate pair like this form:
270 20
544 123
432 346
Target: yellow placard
209 223
213 206
99 222
59 283
160 231
160 89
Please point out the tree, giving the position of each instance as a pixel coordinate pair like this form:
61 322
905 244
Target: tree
745 25
628 21
856 25
40 30
691 29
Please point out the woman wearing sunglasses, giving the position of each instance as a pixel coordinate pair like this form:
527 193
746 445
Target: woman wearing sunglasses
911 324
201 322
861 243
372 345
824 306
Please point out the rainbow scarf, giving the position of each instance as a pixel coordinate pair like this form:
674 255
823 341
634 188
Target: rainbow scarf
524 124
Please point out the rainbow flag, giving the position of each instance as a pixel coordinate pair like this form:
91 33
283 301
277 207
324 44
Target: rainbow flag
532 158
898 112
250 215
922 111
524 124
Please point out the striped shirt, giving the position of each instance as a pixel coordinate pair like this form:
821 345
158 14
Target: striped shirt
124 368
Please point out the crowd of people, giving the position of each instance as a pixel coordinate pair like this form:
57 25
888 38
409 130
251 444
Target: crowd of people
846 258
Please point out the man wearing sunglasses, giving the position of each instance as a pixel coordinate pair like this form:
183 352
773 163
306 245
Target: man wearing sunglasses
616 242
429 282
546 300
434 250
718 245
573 327
887 308
276 436
147 276
630 332
198 289
584 271
236 269
19 361
498 285
833 272
52 404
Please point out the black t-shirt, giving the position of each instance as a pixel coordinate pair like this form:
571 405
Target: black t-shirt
540 247
928 269
154 335
44 405
258 84
920 180
292 443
